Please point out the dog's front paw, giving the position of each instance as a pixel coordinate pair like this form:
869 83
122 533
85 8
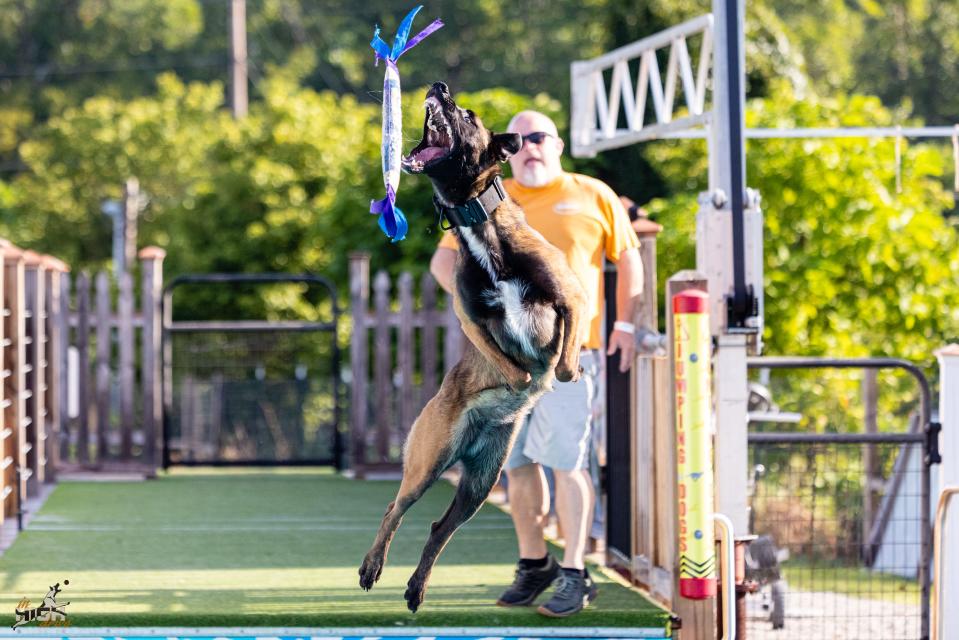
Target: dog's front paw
415 593
521 383
564 374
370 570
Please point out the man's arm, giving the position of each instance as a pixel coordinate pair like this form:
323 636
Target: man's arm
442 266
629 286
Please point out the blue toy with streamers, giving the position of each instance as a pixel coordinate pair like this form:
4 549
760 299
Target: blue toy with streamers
391 218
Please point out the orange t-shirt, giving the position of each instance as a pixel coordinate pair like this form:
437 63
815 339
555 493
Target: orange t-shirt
584 219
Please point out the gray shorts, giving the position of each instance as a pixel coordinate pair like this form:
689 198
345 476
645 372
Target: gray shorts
557 432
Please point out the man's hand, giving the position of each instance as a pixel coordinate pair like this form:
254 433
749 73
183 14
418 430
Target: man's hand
625 343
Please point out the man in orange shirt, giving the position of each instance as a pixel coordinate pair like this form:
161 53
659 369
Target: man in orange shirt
584 218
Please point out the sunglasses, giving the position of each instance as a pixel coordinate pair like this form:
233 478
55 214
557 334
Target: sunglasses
537 137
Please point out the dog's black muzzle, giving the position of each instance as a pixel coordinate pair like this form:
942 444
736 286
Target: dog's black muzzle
441 92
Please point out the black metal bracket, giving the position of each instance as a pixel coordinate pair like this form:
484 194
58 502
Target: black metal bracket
933 455
737 314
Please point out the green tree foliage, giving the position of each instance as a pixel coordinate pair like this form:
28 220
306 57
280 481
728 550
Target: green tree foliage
286 189
904 51
56 53
852 267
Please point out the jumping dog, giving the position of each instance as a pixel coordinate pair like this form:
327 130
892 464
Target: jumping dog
521 307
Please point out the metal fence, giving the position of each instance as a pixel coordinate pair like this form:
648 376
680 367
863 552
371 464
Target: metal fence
261 391
843 519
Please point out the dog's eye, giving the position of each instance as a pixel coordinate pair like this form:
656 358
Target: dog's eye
467 115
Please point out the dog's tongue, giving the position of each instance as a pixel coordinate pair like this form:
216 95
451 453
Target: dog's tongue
429 153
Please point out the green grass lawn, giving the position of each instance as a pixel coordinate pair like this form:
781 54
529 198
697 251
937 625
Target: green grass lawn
269 548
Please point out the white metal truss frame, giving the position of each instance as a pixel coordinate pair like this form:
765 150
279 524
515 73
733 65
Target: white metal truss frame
596 110
760 133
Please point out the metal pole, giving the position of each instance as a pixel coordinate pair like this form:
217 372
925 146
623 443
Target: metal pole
736 97
763 133
727 173
729 147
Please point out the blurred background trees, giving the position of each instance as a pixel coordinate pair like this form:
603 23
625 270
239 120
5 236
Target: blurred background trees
94 91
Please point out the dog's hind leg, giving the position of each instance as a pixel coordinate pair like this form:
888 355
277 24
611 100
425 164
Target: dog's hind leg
426 456
480 472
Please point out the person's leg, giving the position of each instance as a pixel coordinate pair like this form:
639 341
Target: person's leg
559 438
574 500
529 507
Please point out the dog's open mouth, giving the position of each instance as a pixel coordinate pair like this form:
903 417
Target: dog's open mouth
437 142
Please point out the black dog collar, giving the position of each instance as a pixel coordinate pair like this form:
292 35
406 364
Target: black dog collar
475 211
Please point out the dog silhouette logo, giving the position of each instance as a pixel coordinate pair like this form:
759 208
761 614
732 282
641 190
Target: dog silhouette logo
50 613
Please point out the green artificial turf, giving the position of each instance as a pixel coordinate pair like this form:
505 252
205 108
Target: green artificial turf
269 548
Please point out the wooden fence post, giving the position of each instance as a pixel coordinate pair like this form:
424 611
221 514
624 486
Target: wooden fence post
151 260
404 353
83 367
359 358
431 325
55 378
14 368
643 398
125 333
63 388
699 617
35 359
104 349
382 367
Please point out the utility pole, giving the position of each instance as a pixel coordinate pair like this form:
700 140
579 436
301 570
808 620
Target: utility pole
239 99
125 216
133 204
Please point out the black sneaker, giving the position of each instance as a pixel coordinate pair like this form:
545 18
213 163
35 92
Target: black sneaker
529 583
574 590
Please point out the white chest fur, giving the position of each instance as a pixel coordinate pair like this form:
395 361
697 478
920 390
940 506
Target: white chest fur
479 251
519 318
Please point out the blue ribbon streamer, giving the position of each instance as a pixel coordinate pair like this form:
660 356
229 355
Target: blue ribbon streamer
392 220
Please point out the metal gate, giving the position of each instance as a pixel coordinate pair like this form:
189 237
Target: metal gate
251 382
843 519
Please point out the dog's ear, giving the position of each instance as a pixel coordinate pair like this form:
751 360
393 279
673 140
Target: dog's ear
505 145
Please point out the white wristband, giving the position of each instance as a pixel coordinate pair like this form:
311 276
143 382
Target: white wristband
625 327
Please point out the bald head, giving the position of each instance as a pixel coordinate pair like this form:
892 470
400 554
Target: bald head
526 121
537 163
